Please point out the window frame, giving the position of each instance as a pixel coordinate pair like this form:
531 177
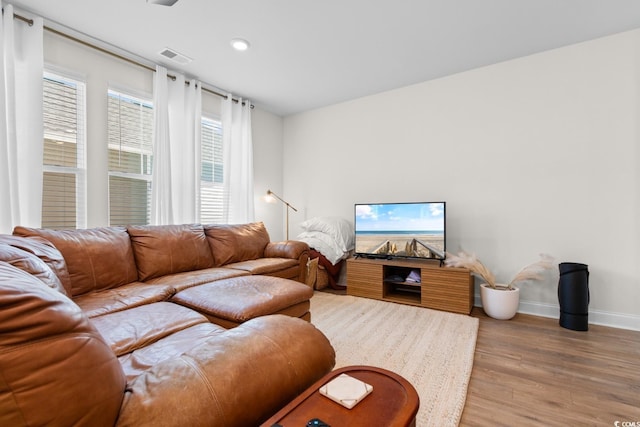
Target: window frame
80 170
144 100
212 216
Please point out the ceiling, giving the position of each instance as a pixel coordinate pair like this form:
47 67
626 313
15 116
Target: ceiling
308 54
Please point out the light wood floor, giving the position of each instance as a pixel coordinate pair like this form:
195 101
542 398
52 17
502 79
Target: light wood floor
529 371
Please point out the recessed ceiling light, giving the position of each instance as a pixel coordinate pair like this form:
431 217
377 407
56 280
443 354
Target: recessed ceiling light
240 44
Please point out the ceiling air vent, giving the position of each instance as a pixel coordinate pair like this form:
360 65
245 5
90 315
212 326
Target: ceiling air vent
175 56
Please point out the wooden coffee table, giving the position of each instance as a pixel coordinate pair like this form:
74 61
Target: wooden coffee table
393 402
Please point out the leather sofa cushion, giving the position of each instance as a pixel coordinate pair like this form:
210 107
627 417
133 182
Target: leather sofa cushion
187 279
300 310
128 330
242 298
123 297
44 250
168 249
97 258
33 265
55 368
266 265
167 348
236 378
237 242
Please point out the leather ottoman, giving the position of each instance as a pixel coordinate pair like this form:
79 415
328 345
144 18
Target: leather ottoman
230 302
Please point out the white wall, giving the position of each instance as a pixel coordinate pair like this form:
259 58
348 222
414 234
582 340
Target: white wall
538 154
267 170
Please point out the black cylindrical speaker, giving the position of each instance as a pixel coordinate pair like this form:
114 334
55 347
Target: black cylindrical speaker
573 295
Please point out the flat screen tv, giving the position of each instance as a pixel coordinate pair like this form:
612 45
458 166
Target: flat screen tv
402 230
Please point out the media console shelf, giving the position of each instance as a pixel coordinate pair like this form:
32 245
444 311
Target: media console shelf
414 282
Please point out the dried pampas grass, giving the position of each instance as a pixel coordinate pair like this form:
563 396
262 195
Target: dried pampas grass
534 271
472 263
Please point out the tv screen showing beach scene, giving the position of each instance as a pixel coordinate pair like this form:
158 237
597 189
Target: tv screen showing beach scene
414 230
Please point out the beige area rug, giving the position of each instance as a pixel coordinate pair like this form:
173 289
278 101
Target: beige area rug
432 349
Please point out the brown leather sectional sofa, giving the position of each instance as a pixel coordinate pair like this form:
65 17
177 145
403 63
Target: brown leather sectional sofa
154 325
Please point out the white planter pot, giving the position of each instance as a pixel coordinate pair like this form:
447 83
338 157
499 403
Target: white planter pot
500 303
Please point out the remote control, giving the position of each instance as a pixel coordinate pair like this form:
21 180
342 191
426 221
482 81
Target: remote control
316 422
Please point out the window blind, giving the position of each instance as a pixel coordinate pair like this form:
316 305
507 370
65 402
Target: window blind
64 188
130 133
211 172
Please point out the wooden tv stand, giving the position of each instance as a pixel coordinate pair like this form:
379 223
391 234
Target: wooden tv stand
440 288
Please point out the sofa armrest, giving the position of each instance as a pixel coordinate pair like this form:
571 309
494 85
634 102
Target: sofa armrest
238 378
293 249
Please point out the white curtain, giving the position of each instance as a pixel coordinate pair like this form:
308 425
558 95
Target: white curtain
238 161
175 192
21 122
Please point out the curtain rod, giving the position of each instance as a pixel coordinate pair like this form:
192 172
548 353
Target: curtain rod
123 58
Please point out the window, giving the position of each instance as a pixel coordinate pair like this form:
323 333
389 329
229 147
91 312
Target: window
211 172
63 183
130 132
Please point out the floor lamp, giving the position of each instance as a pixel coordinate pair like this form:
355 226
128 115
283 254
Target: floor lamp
270 196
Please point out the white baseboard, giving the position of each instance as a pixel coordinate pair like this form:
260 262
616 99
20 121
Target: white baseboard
596 317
